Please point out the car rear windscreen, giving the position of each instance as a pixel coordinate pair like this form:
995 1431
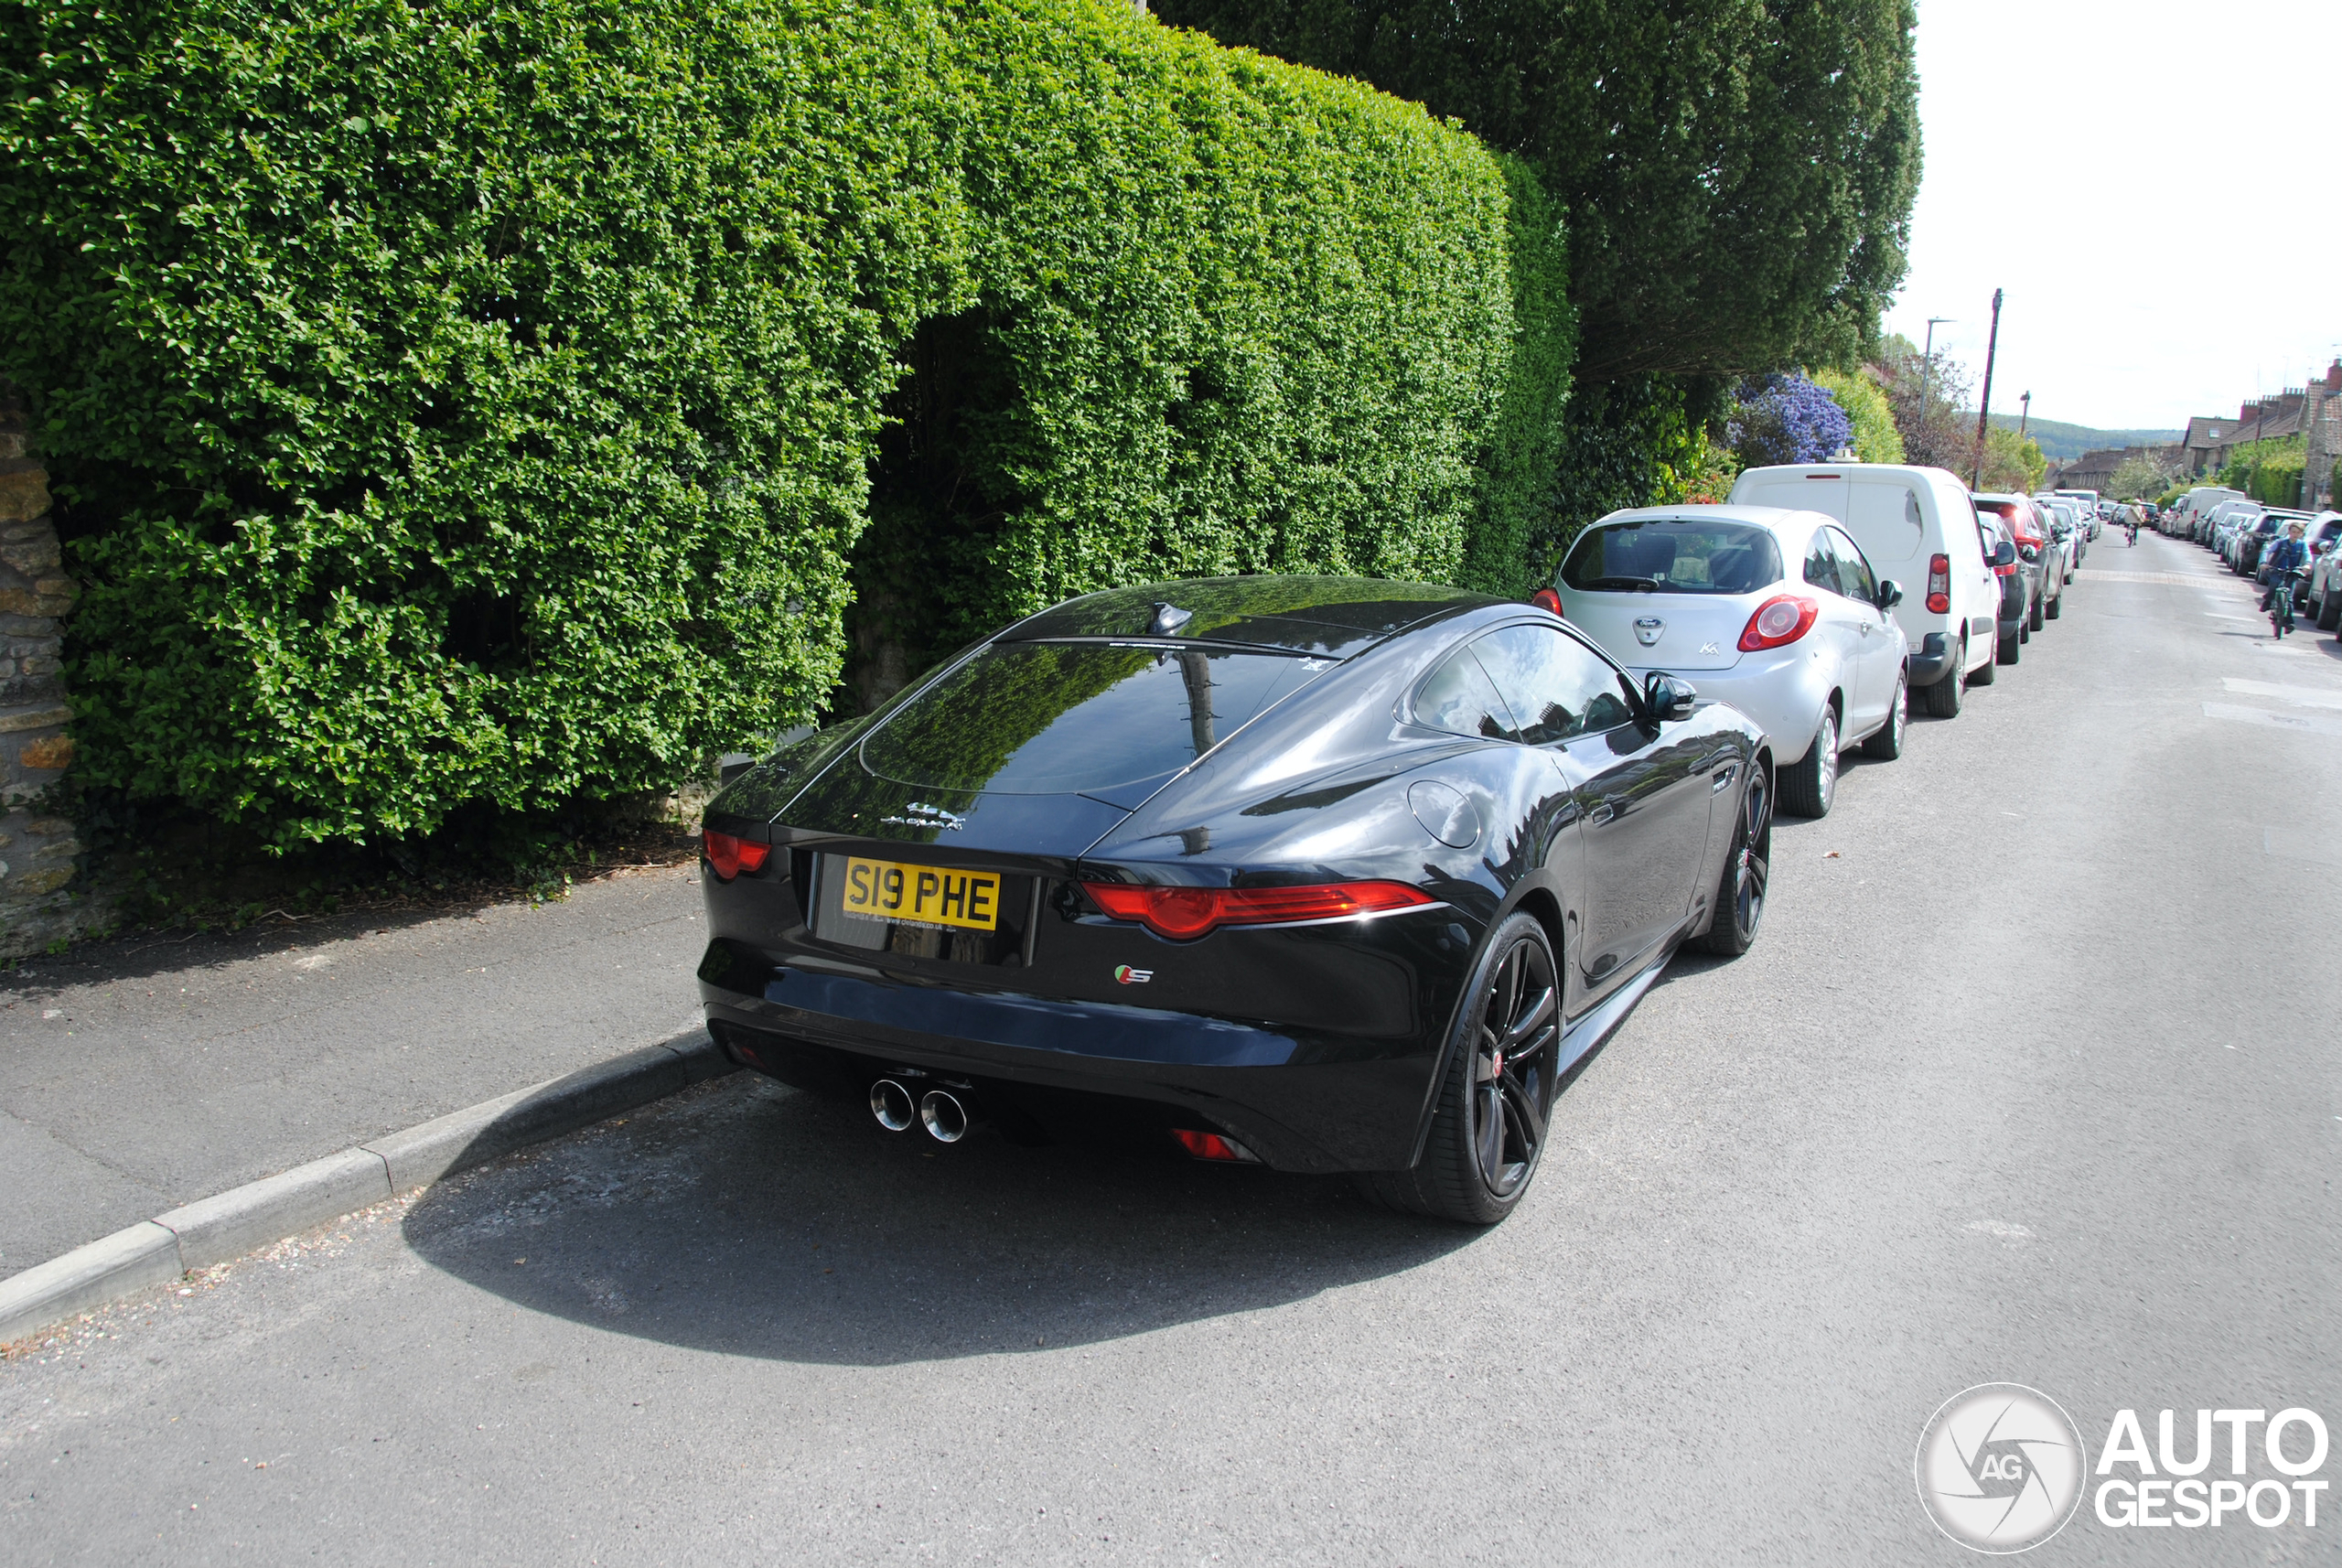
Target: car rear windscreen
1037 718
1673 555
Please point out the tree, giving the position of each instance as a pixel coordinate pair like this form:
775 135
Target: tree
2141 475
2009 464
1926 403
1738 174
1784 419
1876 440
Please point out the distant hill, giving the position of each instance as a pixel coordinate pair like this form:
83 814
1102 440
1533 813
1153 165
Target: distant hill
2066 442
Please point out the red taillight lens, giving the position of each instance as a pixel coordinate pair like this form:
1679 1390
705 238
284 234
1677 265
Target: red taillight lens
1212 1147
730 856
1182 914
1782 620
1546 599
1939 584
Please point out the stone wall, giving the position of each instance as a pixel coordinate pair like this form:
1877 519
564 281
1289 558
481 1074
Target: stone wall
39 903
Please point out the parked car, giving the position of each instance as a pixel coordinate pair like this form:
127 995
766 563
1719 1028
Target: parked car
2015 603
2227 519
2182 518
1917 525
2067 528
2252 545
1321 874
2324 599
2040 556
1775 612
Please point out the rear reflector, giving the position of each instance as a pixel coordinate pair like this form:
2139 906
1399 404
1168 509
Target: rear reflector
1939 584
1212 1147
730 855
1546 599
1779 621
1183 914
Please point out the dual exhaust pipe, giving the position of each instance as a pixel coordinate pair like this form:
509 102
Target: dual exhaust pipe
942 1111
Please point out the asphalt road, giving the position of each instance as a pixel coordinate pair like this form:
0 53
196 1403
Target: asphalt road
2030 1078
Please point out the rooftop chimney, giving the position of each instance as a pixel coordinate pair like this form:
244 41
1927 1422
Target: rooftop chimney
2333 377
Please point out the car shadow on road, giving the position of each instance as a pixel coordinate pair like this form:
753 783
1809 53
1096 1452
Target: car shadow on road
747 1218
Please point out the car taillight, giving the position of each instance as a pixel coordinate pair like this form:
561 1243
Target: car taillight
1782 620
730 855
1183 914
1939 584
1212 1147
1546 599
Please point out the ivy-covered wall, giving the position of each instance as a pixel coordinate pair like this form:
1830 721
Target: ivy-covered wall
453 402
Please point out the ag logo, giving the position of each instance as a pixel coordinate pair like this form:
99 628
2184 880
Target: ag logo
2000 1468
1128 977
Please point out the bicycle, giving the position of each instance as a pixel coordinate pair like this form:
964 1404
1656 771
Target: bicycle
2280 606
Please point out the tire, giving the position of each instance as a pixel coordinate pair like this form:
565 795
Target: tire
1886 743
2004 652
2033 620
1740 894
1496 1098
1944 698
1809 786
2055 608
2329 611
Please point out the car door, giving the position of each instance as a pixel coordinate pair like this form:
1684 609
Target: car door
1875 651
1643 791
1837 633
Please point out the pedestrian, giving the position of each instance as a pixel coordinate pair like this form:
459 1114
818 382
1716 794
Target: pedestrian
2285 557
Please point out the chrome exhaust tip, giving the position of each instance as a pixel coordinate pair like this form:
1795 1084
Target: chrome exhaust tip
892 1104
946 1115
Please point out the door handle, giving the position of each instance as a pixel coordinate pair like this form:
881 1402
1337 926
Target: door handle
1603 811
1725 776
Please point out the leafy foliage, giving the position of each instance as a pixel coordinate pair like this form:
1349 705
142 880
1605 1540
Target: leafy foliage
461 404
1784 419
1875 437
2011 463
2142 474
1638 441
1738 174
2268 471
1926 400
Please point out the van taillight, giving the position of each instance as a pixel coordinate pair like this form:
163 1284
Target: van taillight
1939 584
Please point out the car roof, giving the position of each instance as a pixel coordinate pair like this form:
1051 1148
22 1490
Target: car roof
1336 616
1774 519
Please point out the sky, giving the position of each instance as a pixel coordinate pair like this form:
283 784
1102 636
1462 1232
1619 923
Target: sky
2145 181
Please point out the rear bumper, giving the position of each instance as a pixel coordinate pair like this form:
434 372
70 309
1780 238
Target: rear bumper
1781 690
1301 1101
1931 661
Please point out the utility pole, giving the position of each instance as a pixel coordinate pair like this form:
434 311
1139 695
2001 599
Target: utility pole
1984 403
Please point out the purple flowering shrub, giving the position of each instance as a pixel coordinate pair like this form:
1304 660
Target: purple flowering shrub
1784 419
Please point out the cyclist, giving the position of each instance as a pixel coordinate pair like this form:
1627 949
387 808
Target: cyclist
2131 524
2285 558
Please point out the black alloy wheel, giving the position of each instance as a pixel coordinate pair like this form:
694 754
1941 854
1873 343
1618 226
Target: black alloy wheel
1740 898
1494 1105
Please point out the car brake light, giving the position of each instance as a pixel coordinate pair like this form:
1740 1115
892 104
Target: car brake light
1939 584
1212 1147
1546 599
1779 620
1183 914
730 855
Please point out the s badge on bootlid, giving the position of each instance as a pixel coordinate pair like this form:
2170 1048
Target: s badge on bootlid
1128 977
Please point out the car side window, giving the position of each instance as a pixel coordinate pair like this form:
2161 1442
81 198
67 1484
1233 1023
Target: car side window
1853 572
1459 698
1822 561
1555 685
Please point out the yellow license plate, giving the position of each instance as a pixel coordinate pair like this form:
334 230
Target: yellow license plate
923 894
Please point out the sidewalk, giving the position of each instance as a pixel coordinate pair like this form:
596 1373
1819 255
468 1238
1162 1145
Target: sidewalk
139 1075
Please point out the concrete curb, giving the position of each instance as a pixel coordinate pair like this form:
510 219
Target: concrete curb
214 1229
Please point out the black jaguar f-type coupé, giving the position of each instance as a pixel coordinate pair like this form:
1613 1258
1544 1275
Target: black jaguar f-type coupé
1326 873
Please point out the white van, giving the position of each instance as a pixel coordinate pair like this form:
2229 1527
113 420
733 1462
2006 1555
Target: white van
1917 527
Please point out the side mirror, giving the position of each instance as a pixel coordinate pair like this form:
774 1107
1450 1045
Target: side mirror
1667 697
2003 554
1890 593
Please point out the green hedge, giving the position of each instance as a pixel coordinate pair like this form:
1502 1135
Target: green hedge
455 402
2268 471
